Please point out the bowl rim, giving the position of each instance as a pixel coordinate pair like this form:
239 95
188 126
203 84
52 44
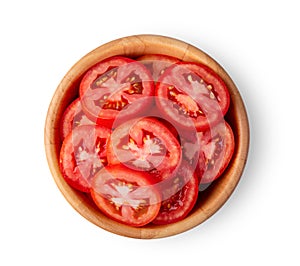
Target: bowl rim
134 46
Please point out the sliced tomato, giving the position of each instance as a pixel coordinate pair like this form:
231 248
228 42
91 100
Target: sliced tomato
82 154
216 150
144 144
179 195
111 86
169 126
125 195
157 63
192 95
73 117
155 113
190 149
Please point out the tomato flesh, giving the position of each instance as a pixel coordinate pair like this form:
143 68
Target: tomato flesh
144 144
157 63
192 95
179 196
83 153
126 195
73 117
146 136
216 150
113 85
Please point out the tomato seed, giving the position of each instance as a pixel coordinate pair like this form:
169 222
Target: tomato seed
190 78
173 93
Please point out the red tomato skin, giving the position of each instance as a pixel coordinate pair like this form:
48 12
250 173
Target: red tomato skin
212 77
157 63
68 165
107 117
169 213
67 121
226 156
155 114
159 130
157 213
122 173
168 79
80 184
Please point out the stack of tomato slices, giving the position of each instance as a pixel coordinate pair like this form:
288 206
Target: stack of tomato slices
144 134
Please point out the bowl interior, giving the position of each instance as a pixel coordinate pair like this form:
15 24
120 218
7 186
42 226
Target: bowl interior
211 199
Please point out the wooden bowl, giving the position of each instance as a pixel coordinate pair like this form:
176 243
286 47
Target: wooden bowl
209 200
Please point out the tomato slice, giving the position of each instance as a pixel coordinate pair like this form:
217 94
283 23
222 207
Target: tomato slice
192 95
114 84
190 149
144 144
179 195
125 195
216 150
73 117
157 63
82 154
169 126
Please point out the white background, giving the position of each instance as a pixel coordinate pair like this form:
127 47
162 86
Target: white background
257 42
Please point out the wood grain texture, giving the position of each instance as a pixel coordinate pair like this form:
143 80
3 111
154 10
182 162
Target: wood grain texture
133 46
